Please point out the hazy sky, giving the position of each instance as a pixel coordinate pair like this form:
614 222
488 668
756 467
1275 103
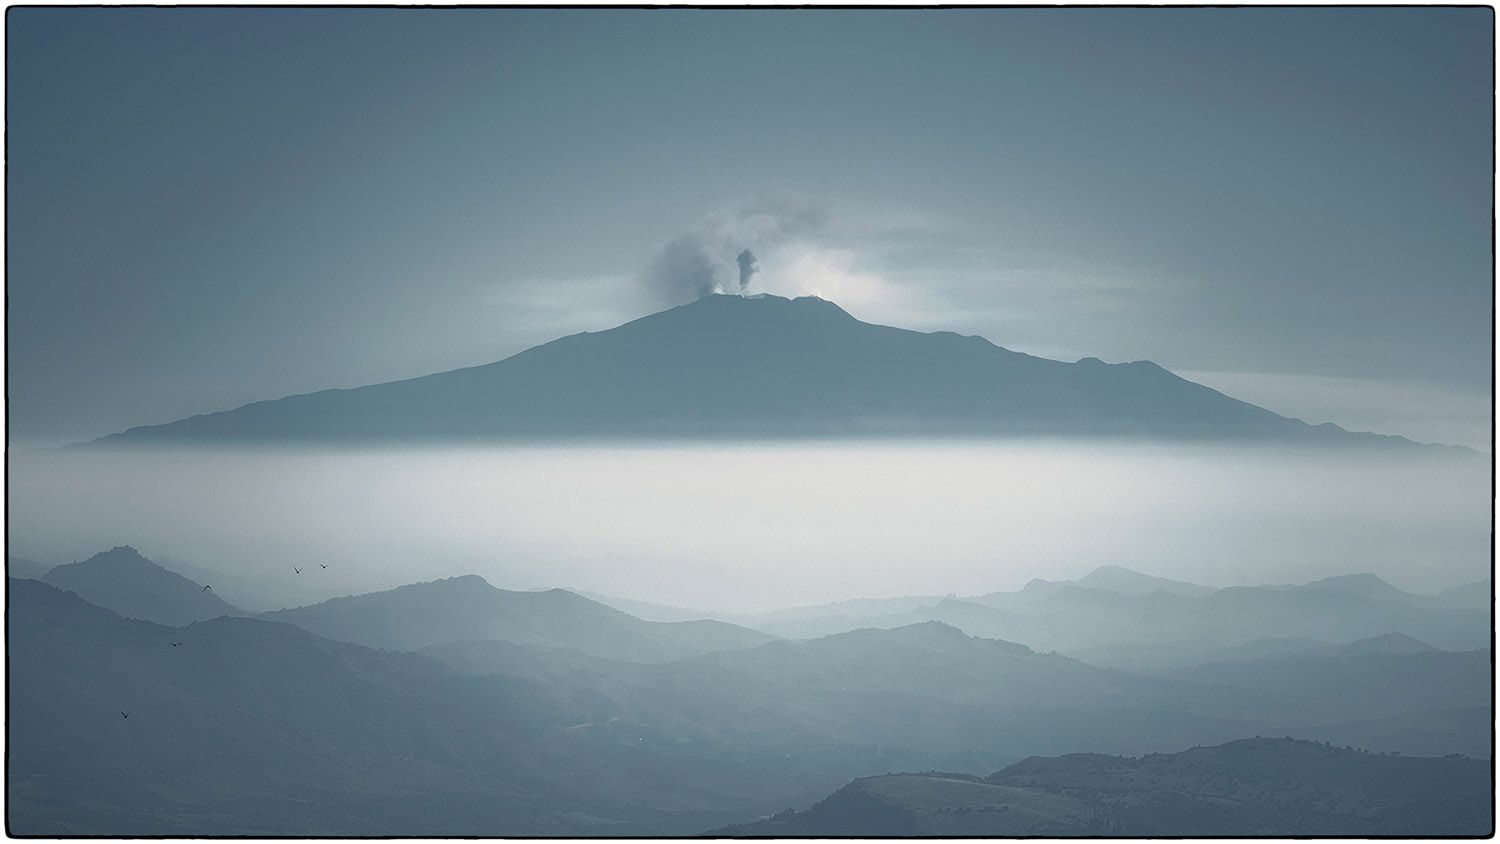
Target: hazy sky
212 206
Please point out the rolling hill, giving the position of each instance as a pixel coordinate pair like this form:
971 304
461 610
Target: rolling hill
1070 617
1251 787
253 728
1476 595
121 580
469 609
929 695
925 695
246 726
1128 582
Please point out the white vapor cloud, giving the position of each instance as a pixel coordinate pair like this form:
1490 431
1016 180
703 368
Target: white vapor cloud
705 260
928 272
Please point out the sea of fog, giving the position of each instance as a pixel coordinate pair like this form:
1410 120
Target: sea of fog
750 527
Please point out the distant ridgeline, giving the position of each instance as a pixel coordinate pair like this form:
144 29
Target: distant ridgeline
734 367
141 704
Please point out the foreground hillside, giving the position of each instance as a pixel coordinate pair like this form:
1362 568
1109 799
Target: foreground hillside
237 726
1252 787
544 713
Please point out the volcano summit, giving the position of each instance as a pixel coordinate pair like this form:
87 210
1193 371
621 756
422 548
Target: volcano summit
732 367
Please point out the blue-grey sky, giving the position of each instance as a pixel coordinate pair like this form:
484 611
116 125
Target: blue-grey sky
213 206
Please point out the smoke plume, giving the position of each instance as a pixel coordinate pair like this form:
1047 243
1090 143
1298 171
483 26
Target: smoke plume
748 267
719 255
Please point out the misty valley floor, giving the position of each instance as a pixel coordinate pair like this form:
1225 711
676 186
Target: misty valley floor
142 702
740 528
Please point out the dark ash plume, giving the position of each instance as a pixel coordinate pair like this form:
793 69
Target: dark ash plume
748 267
722 250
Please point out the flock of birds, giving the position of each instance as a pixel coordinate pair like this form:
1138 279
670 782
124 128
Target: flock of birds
295 569
207 588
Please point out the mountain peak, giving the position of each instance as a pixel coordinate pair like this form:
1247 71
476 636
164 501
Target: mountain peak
923 634
1112 578
131 585
728 366
763 305
466 581
907 634
120 555
1367 584
1108 571
933 628
1389 643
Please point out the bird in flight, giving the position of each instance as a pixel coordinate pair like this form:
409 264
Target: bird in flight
322 566
206 588
174 644
125 714
297 570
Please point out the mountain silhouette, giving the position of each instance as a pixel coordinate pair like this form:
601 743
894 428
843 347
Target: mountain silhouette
1128 582
253 728
1366 584
1475 595
258 729
468 608
921 695
1167 623
735 367
121 580
1390 643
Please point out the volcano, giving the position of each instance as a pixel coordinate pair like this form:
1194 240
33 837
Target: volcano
764 367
